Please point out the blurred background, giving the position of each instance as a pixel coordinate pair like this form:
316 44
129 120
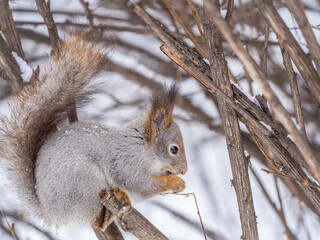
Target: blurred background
136 68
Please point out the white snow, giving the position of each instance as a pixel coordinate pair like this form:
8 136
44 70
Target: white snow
2 35
26 70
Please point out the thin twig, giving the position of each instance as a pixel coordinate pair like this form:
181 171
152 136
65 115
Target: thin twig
297 9
88 14
281 211
273 205
197 19
230 6
44 10
265 50
11 227
294 90
10 67
185 29
9 29
198 210
299 57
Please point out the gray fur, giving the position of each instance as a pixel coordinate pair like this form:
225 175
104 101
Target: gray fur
57 173
88 157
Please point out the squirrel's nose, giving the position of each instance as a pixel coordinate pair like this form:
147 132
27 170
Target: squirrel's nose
180 169
183 168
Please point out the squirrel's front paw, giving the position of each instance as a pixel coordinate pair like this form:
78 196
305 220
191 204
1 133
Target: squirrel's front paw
171 183
121 195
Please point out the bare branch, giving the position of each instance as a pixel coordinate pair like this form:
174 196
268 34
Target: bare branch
11 227
44 10
9 28
257 74
294 90
130 219
239 165
190 61
10 67
297 9
296 53
273 205
88 14
176 17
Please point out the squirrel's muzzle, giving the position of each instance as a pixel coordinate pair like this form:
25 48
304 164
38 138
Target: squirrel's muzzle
175 170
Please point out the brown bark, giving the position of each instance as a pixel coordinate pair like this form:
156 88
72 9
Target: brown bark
9 29
298 11
239 165
130 219
10 67
258 76
296 53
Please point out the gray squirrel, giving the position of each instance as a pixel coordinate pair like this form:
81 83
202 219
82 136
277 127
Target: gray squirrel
57 170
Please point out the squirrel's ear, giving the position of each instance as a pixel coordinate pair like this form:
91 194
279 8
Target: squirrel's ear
159 117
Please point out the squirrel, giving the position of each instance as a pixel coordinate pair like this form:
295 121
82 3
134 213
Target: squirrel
57 170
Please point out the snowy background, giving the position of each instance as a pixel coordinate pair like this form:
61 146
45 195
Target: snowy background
209 171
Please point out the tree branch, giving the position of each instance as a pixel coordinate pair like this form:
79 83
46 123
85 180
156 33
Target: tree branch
298 11
296 53
130 219
258 76
9 28
239 165
10 67
191 62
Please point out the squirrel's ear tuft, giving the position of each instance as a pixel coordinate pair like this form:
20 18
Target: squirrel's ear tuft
160 115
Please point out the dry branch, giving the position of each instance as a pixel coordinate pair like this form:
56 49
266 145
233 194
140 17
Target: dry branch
88 14
44 10
185 29
10 67
296 53
130 219
239 165
258 76
273 205
297 9
178 52
294 90
8 28
11 226
110 233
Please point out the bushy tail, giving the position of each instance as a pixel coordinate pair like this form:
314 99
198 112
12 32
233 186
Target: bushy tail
65 79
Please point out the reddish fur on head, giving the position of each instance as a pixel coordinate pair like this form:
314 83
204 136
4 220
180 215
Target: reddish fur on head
160 115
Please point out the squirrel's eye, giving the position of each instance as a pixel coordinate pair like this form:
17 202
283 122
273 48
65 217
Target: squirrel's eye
174 149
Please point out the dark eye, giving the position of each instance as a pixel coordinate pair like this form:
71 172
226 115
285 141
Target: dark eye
174 149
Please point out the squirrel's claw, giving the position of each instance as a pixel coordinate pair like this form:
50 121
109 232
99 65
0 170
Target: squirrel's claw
121 195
